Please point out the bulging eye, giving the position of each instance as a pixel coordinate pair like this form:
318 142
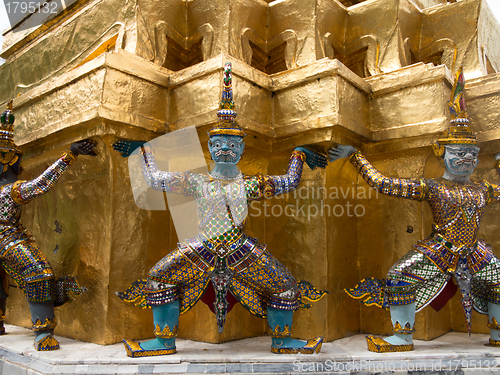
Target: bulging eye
217 144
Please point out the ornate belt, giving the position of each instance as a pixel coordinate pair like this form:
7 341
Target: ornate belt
461 251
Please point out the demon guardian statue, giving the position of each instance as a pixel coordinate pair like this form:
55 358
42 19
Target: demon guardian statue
222 254
20 256
452 249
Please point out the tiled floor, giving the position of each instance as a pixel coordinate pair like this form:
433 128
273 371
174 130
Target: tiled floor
453 352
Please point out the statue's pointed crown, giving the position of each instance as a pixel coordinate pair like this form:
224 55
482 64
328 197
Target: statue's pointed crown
226 124
459 131
7 119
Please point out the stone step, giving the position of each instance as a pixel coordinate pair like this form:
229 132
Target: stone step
453 353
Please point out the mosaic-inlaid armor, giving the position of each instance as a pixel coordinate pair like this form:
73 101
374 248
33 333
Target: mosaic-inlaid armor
19 254
452 249
222 256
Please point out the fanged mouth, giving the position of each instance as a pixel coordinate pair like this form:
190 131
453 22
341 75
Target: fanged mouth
225 153
466 163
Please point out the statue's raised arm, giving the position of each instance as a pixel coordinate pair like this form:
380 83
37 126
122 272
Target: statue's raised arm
24 191
20 255
494 189
410 188
266 186
169 182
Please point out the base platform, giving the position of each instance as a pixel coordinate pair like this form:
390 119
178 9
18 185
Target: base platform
452 353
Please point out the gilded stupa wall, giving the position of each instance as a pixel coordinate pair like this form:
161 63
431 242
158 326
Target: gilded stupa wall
375 73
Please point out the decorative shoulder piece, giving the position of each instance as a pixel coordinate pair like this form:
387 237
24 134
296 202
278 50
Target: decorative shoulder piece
227 125
459 131
267 188
15 193
9 151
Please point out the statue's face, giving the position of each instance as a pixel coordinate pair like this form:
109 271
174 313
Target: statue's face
460 160
226 148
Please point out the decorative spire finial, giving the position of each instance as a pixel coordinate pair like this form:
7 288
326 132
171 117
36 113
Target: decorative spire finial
459 131
7 119
227 124
9 152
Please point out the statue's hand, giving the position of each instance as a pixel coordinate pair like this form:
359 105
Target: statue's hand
497 156
340 151
313 159
85 147
127 148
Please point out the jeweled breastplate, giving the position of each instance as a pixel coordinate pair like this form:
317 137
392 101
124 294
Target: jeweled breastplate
222 210
457 211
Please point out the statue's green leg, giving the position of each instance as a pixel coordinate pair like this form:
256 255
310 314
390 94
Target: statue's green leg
403 280
280 322
166 321
42 317
494 323
403 321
